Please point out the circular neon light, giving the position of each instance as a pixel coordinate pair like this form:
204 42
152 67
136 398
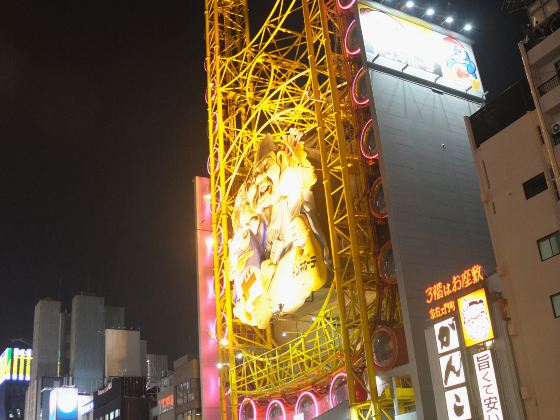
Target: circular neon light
345 6
355 51
333 383
271 405
216 123
363 138
313 398
216 165
376 200
355 83
253 405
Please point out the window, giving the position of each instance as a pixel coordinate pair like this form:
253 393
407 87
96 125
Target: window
535 186
555 299
549 246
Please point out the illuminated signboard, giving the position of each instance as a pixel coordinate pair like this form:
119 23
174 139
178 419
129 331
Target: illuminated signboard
457 402
437 293
277 252
488 386
63 404
409 45
475 318
447 336
165 403
15 365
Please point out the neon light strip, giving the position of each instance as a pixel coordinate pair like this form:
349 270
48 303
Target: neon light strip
247 400
269 409
358 50
358 101
363 140
315 403
333 382
345 7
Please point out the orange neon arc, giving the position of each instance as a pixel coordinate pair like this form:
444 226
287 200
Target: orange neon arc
459 282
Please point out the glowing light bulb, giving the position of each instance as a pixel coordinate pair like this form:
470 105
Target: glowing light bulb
467 27
449 19
430 12
409 4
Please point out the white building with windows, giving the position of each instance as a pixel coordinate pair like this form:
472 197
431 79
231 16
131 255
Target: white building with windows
515 141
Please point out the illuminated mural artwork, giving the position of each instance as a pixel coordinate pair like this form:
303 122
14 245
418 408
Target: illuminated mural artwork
277 252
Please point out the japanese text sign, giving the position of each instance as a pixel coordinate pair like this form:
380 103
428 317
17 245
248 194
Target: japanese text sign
487 386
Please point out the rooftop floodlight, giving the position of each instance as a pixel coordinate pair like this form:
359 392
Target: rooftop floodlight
430 12
409 4
449 19
467 27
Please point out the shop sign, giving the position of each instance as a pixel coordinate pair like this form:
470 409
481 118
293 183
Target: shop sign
487 386
475 318
452 369
457 401
447 336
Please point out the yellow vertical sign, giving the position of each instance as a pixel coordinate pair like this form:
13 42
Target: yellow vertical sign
475 318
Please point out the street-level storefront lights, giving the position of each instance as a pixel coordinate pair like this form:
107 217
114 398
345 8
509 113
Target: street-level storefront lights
271 406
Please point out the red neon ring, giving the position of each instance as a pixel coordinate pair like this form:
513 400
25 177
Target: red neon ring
269 409
347 6
358 50
391 280
375 155
313 398
245 401
358 101
372 190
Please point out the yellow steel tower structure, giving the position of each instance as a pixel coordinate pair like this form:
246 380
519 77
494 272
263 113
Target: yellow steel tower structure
292 73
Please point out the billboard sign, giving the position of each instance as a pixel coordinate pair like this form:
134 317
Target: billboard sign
63 404
15 364
475 318
412 46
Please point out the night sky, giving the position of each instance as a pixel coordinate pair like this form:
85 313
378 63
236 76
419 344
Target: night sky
102 129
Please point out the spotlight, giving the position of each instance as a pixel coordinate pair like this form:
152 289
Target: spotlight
224 341
430 12
409 4
467 27
449 19
239 356
284 334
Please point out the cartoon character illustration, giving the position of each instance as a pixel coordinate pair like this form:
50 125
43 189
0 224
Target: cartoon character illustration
459 63
476 320
277 252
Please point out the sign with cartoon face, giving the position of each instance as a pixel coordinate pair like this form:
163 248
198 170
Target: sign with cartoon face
475 318
447 336
458 406
452 369
277 251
